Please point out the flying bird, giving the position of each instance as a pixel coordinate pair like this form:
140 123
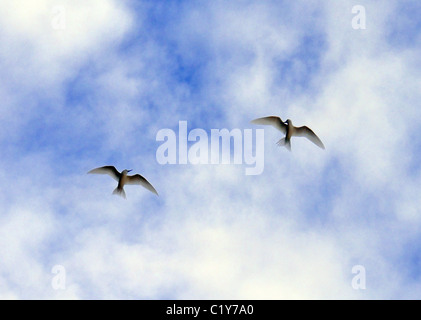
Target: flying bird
289 130
123 179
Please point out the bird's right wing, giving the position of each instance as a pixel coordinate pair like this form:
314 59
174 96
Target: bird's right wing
306 132
110 170
272 121
140 180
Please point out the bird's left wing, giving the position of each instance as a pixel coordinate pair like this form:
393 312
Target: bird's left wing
271 121
309 134
110 170
138 179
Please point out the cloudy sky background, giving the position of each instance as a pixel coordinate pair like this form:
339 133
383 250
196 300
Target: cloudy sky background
98 91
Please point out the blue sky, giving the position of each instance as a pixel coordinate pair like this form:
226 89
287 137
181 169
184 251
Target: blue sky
97 91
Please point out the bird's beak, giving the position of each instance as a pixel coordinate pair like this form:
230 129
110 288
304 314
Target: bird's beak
129 170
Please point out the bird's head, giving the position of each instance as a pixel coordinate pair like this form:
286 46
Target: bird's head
288 122
125 171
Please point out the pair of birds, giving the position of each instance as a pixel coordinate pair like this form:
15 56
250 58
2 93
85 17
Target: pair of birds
285 127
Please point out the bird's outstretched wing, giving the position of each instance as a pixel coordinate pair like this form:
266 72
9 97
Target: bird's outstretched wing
272 121
110 170
309 134
138 179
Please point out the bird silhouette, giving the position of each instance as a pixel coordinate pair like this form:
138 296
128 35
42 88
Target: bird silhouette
123 179
289 130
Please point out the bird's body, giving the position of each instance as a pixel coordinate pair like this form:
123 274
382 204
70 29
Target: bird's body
289 130
121 182
123 179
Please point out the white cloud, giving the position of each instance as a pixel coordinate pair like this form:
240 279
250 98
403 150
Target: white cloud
39 59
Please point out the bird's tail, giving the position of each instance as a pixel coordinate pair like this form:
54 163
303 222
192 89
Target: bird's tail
120 192
285 143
